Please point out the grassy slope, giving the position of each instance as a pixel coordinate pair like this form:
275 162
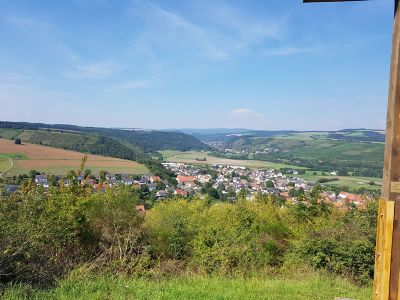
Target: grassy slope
331 149
190 157
195 288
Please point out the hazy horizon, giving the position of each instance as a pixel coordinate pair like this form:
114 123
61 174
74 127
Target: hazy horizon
216 129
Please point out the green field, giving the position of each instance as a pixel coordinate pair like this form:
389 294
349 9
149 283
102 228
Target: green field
193 157
15 156
352 182
5 163
339 150
195 287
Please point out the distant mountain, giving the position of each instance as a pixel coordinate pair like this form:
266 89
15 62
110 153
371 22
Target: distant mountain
208 131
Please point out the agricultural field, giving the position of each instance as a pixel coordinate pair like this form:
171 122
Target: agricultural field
196 157
6 133
55 161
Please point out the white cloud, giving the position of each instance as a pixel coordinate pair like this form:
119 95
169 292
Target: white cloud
246 113
95 70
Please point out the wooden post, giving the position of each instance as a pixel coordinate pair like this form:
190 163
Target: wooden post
391 183
383 249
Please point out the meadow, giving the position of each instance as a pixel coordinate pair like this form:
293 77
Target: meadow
196 157
55 161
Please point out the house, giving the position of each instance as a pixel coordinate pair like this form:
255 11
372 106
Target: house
204 178
273 191
11 188
161 194
182 179
140 208
154 179
41 180
181 192
114 182
110 177
90 182
125 179
356 200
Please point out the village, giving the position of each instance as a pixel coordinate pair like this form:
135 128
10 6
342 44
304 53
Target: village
223 180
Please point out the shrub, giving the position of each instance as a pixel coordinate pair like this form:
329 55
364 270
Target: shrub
240 238
343 244
117 227
41 237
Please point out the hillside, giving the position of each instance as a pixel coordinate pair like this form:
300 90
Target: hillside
20 159
355 151
97 141
140 140
218 135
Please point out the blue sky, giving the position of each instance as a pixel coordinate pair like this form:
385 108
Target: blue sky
195 64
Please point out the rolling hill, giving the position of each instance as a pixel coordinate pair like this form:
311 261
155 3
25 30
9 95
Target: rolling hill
355 151
20 159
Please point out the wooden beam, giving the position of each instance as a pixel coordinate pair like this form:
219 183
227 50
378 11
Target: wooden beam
391 174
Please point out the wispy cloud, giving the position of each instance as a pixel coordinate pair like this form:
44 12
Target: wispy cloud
245 112
285 51
95 70
217 31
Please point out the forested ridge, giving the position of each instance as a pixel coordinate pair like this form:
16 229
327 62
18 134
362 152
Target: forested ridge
145 140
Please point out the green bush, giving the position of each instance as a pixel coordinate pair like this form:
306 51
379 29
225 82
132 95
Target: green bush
118 230
41 237
44 236
239 237
343 244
